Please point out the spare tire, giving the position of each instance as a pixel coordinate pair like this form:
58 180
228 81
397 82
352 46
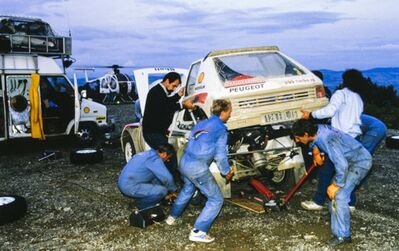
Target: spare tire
86 156
12 207
392 142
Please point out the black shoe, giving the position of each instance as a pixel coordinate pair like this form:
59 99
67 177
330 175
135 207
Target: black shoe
339 240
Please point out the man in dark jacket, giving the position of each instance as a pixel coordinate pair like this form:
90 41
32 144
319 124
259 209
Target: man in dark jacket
160 107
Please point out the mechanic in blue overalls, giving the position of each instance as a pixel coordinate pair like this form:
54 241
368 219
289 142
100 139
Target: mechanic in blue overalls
207 143
146 179
351 162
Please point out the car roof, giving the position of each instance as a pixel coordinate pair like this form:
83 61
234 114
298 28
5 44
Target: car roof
240 50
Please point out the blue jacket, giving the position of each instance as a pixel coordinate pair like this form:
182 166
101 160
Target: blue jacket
145 167
342 150
208 142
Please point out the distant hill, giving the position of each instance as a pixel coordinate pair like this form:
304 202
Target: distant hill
379 76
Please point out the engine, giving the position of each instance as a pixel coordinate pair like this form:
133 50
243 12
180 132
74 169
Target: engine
262 150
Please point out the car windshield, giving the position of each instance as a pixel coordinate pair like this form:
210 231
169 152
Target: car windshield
254 67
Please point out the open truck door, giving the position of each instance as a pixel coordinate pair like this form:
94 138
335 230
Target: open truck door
146 78
2 113
17 106
77 104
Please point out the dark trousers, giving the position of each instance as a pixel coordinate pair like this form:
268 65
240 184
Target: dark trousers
155 139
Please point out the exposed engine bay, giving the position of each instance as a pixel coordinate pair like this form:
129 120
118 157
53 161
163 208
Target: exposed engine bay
264 151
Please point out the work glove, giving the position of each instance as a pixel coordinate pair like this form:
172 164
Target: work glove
229 176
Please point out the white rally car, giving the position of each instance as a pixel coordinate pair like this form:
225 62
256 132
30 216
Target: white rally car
267 89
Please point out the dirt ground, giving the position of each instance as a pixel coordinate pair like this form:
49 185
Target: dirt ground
79 207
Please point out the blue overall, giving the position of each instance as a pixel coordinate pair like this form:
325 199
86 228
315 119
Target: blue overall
351 162
207 143
146 179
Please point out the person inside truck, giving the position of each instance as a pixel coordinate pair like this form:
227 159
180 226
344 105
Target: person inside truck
351 162
47 95
146 179
207 143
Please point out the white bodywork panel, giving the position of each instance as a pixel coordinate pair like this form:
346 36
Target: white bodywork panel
26 64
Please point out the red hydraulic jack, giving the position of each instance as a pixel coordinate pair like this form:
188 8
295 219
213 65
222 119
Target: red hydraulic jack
270 198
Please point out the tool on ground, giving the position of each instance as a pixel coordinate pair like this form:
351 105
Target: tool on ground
50 154
283 202
270 198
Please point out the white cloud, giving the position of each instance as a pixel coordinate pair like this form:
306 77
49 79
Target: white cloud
178 32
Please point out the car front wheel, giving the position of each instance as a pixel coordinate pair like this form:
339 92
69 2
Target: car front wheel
129 149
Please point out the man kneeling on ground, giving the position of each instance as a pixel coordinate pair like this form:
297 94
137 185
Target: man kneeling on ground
146 178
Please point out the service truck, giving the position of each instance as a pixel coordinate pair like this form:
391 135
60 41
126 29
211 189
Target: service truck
36 97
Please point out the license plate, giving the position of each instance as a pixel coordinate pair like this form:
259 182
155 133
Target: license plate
281 116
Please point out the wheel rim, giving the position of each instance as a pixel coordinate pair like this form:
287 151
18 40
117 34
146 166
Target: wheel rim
128 151
85 134
86 151
278 176
6 200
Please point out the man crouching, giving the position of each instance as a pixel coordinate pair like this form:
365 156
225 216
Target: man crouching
351 162
146 179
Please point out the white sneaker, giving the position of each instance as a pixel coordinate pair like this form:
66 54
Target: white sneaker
352 209
170 220
200 236
311 205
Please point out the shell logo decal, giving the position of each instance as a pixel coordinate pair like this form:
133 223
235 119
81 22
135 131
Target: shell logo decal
201 77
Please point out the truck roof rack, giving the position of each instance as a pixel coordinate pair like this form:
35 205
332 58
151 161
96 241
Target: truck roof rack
32 44
31 36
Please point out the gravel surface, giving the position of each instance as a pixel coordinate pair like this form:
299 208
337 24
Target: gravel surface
79 207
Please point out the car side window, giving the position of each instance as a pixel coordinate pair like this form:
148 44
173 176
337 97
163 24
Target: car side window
192 78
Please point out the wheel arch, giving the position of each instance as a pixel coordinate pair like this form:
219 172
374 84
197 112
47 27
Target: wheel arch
135 133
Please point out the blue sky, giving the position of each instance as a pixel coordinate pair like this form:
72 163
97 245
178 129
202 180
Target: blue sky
322 34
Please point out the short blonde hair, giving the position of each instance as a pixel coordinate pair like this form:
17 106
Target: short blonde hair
220 105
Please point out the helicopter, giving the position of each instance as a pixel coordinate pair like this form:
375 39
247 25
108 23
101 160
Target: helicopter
112 88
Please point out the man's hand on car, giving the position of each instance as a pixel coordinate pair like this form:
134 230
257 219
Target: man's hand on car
305 114
188 104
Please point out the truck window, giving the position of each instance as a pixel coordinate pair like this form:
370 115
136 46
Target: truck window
255 65
60 85
18 85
